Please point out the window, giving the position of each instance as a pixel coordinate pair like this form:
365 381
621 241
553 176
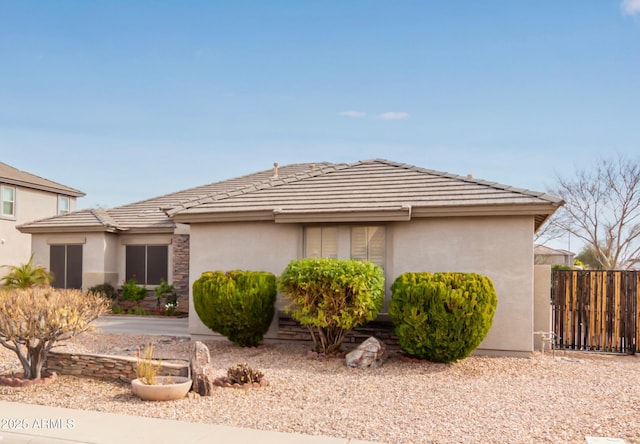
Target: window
355 242
63 205
8 200
321 242
147 264
368 244
65 264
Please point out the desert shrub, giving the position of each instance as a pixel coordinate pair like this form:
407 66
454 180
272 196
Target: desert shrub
26 275
237 304
442 317
243 374
105 289
167 291
331 297
32 320
132 292
147 368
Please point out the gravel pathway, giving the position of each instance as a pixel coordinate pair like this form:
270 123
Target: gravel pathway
477 400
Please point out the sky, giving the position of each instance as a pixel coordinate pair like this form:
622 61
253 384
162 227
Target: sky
127 100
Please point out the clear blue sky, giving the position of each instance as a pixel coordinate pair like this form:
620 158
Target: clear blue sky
127 100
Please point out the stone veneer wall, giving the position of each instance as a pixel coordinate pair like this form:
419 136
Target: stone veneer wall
118 368
181 269
382 329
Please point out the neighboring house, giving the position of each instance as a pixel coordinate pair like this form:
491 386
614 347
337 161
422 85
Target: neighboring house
402 217
544 255
26 197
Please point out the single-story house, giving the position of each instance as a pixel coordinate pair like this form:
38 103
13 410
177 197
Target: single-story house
25 197
544 255
402 217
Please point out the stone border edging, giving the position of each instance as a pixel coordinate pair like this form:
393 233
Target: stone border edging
118 368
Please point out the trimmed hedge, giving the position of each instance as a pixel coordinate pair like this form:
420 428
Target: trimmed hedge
332 296
442 317
237 304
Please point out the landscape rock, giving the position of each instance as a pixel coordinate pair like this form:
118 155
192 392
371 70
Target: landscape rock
199 364
370 354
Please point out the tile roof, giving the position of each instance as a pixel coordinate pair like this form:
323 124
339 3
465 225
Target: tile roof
374 185
543 250
14 176
150 215
379 189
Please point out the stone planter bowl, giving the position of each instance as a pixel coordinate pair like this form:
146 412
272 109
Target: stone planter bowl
167 388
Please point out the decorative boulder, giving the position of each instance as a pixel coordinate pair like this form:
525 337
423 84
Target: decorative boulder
370 354
199 363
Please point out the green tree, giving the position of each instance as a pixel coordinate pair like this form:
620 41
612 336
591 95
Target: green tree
26 275
590 259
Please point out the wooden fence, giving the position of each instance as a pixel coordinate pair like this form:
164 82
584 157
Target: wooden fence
596 310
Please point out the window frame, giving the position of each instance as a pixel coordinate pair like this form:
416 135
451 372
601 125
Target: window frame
66 276
13 189
62 211
328 241
132 270
346 251
368 243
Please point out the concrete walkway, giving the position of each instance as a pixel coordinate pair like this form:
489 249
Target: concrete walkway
144 325
36 424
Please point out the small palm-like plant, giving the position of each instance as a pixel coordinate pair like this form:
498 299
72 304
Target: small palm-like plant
26 276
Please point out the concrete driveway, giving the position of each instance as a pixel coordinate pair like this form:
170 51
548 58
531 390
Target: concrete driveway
146 325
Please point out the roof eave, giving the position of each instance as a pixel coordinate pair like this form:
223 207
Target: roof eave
223 216
63 191
69 229
398 214
486 210
150 230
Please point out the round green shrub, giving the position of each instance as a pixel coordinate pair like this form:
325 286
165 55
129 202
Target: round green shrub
332 296
106 289
237 304
442 317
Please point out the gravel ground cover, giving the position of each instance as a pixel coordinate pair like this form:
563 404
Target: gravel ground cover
477 400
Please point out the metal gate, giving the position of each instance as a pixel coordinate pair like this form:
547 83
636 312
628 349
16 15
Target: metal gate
596 310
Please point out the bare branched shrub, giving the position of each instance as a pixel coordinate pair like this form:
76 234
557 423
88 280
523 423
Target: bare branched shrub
32 320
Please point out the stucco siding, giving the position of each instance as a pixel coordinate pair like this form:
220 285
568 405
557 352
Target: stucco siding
542 304
98 255
258 246
30 204
500 248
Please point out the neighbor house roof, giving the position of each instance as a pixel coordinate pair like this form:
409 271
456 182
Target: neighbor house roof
371 190
543 250
149 216
374 190
14 176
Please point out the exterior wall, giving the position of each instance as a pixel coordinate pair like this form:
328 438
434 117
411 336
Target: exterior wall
103 256
15 247
142 239
498 247
542 304
181 269
99 262
259 246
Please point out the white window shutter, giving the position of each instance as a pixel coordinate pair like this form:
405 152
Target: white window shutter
359 243
313 242
376 245
330 242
